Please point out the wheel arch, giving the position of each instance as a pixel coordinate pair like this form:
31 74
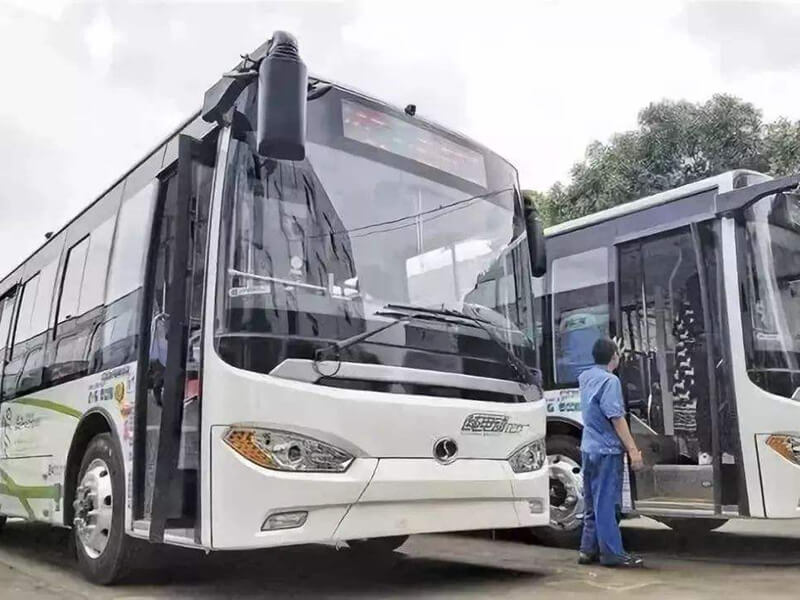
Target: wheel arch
92 423
561 426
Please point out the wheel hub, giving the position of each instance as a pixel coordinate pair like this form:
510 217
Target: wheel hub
94 508
566 492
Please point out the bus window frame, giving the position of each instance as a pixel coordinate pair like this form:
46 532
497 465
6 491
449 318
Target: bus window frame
9 293
548 358
59 319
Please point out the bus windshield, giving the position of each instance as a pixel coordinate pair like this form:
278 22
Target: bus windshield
383 211
772 234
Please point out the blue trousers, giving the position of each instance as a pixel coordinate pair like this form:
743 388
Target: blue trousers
602 493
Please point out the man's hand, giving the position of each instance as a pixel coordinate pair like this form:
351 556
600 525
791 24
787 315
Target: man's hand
637 461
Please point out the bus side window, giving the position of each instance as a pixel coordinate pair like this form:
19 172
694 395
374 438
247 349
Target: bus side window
580 311
115 343
23 373
80 305
14 360
66 351
73 280
6 312
94 275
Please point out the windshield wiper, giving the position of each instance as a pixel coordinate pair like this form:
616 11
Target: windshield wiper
433 311
390 310
334 350
519 368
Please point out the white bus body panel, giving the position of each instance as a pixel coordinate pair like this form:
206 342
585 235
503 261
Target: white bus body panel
770 483
36 432
780 480
564 405
394 486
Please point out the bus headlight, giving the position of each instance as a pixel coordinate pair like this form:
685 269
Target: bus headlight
788 446
531 457
286 451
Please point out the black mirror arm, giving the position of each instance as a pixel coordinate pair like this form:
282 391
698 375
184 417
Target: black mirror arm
219 98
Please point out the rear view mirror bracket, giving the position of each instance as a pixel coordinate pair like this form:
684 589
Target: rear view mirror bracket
282 93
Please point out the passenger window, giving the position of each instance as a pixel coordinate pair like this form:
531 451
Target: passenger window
31 371
44 297
70 350
24 329
94 276
73 281
580 311
127 262
6 312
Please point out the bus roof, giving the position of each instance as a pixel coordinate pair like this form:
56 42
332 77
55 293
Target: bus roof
724 182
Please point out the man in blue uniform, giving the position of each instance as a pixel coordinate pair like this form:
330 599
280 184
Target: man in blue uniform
606 437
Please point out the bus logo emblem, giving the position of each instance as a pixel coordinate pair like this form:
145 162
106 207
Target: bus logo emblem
445 450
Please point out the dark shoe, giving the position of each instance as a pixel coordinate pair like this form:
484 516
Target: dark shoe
585 558
629 561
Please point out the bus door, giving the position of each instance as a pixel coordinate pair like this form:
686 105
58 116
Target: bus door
668 368
167 440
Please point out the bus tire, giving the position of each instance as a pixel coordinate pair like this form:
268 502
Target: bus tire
566 491
382 546
692 528
101 545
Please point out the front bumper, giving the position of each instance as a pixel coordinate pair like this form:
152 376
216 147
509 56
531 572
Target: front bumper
374 498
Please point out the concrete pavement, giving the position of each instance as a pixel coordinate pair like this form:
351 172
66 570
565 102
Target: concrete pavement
742 560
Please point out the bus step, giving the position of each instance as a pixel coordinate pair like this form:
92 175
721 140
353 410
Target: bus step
695 482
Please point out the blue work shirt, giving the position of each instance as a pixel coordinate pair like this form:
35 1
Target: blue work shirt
601 401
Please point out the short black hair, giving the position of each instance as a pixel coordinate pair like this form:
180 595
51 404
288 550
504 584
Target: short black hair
603 351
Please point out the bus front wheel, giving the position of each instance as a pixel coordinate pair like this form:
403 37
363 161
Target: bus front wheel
377 546
102 547
566 493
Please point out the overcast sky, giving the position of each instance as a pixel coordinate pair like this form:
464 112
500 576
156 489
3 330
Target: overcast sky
89 87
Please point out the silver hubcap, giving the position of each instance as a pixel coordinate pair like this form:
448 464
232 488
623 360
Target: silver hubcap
94 508
566 492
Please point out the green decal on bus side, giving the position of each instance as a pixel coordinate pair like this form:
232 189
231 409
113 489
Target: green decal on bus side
23 493
50 405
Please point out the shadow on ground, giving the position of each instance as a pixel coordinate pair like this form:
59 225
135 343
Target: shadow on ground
308 571
315 571
726 545
730 547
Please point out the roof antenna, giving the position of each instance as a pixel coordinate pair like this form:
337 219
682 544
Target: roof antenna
48 235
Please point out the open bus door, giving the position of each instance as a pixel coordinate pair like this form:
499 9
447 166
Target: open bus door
167 440
669 318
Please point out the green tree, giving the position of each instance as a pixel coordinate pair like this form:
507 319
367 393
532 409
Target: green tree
782 147
676 142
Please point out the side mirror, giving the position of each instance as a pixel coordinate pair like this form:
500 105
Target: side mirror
282 90
536 241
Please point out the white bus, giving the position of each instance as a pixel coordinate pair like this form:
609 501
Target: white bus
701 286
258 336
